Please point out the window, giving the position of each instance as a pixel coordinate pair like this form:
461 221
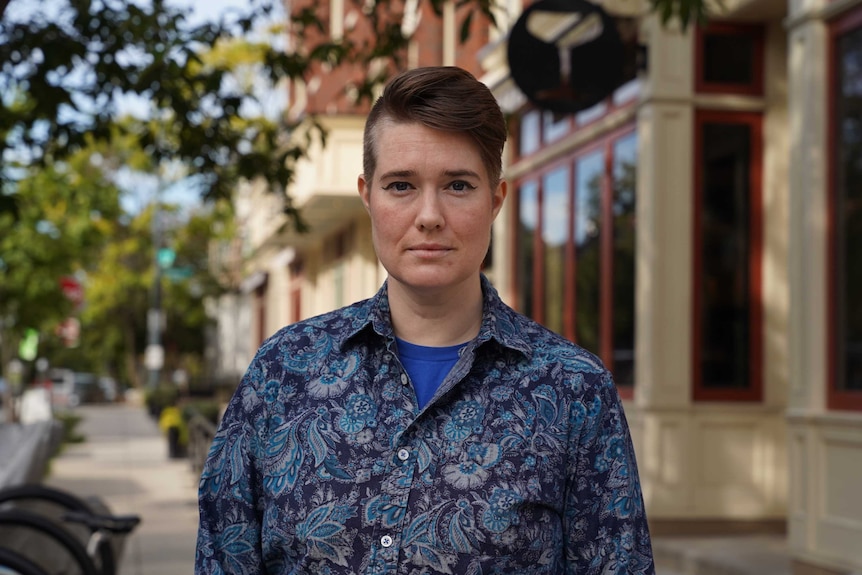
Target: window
528 224
845 345
623 208
554 127
589 180
575 261
528 133
727 252
555 236
730 59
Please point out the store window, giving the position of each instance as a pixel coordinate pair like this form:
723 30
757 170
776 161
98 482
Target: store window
845 345
730 59
575 260
727 255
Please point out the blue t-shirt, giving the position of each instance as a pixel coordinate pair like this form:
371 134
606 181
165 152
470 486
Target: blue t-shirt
427 366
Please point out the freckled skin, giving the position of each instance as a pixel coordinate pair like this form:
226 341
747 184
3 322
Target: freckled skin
432 206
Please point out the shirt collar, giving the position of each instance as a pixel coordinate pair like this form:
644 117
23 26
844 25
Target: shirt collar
499 322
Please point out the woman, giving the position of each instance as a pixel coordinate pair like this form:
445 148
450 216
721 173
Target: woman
431 428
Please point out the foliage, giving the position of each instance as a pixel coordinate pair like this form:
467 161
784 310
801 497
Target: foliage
70 422
120 290
172 417
158 398
64 215
209 409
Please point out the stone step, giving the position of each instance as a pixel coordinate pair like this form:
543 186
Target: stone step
726 555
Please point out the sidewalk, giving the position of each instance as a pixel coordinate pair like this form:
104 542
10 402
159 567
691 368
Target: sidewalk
124 462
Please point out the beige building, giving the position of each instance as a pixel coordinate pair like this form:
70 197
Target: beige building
699 229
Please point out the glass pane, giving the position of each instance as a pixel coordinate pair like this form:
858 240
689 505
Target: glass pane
728 59
555 233
724 217
588 195
529 133
555 126
528 219
849 210
625 172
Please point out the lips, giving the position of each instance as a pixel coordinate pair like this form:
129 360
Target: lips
429 250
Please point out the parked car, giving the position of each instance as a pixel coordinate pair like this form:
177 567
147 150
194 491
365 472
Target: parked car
62 386
70 388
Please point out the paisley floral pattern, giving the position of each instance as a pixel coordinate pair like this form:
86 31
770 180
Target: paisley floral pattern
521 463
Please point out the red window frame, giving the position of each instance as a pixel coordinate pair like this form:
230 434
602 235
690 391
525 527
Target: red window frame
754 392
836 399
756 31
606 343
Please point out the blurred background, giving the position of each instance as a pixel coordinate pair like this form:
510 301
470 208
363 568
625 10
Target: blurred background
179 182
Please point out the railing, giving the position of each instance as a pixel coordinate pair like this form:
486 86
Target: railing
26 449
201 434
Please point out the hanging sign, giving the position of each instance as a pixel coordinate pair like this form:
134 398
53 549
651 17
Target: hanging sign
566 55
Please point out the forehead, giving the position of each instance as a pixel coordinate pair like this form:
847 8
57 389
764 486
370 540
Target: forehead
400 144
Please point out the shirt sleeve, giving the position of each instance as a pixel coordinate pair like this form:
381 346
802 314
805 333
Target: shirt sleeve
606 528
229 533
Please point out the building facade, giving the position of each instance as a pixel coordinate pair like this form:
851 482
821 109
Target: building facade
699 229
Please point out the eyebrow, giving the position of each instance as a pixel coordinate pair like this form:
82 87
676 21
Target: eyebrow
412 173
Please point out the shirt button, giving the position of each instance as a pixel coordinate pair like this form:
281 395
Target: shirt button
403 454
386 541
404 379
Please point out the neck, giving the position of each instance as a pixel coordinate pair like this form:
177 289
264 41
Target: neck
436 319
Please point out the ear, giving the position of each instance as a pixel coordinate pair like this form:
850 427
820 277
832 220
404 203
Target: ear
364 190
499 196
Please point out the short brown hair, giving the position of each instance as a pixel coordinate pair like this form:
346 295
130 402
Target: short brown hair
443 98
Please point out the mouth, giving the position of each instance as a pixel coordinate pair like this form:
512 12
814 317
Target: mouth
429 250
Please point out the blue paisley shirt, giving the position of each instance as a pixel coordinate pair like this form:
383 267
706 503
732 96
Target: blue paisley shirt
520 464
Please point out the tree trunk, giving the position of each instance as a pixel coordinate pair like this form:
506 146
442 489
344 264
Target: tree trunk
129 355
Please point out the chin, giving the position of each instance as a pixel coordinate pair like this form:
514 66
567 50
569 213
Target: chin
429 279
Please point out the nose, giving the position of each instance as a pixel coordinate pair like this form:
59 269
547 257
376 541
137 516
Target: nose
430 214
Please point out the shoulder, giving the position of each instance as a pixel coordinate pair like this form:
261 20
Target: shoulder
549 347
337 325
300 345
553 362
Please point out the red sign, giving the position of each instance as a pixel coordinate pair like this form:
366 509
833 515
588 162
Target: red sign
69 330
72 289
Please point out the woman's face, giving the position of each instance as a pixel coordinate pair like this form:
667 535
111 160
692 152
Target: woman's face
431 205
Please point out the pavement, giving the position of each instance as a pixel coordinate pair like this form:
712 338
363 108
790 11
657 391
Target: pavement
124 461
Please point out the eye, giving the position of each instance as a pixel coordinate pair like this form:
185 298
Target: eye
461 186
397 187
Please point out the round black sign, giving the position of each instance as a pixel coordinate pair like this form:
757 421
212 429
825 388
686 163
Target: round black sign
565 55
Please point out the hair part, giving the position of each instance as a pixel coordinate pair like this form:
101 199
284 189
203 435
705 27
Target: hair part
444 98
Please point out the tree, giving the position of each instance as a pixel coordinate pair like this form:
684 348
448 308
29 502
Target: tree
64 214
119 288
